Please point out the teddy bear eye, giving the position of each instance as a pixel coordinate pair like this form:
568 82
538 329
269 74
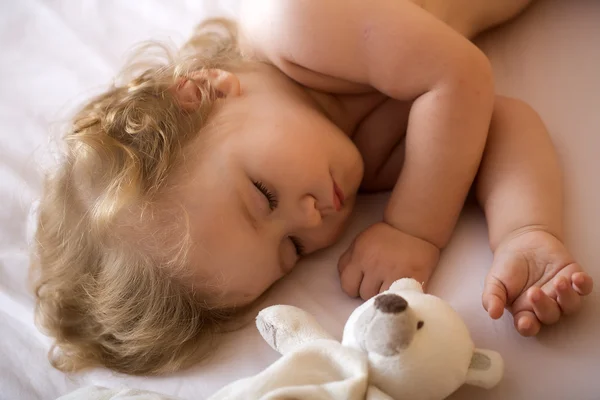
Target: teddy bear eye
420 324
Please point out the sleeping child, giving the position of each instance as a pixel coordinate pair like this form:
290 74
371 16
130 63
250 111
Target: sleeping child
200 178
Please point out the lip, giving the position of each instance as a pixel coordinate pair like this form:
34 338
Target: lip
338 196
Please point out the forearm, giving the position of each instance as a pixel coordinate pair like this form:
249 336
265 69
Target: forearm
519 185
445 139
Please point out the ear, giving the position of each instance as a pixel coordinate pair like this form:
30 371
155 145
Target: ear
187 89
486 369
285 328
226 83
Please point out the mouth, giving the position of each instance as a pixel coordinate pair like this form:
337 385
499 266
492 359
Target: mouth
338 196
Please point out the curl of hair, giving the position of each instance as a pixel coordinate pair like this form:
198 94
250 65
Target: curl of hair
105 290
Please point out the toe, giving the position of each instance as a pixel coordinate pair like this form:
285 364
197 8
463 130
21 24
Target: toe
582 283
526 323
568 299
546 309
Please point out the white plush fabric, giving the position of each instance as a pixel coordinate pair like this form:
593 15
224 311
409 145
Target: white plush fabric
57 52
102 393
321 370
435 356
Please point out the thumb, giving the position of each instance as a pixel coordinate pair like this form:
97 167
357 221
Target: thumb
494 296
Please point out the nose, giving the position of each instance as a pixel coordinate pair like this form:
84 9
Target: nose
390 303
308 215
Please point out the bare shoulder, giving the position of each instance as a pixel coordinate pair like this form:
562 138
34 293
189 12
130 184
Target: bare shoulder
351 46
273 25
289 34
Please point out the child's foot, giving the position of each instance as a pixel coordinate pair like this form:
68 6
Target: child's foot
536 279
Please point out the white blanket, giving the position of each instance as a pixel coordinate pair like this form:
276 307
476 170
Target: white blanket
320 370
102 393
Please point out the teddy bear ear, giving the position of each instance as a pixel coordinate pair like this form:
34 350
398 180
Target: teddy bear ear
285 328
406 284
486 369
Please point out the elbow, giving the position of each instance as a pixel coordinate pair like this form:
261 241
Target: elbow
481 68
473 78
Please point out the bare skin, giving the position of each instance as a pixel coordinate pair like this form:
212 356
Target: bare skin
416 97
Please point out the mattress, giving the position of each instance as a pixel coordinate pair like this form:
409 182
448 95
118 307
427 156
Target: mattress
55 53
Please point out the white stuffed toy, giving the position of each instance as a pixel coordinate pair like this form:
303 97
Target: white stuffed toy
401 344
418 346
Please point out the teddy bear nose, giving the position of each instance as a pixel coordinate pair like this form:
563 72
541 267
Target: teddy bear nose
390 303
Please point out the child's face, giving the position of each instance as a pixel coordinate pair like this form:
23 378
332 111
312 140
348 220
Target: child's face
262 189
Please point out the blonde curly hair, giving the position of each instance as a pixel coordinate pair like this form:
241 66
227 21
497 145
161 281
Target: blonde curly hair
110 253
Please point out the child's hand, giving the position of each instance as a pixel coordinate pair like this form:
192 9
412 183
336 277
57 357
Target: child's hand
382 254
535 277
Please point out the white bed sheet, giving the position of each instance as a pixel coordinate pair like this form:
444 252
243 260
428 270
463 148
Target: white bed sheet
55 53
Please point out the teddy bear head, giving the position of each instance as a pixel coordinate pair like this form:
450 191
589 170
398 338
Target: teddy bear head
418 346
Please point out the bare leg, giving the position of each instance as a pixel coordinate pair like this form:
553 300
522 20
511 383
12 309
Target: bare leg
519 186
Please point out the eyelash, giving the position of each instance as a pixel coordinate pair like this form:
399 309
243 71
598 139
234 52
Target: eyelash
273 202
299 246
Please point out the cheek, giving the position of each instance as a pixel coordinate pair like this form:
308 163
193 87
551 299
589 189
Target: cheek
246 284
253 288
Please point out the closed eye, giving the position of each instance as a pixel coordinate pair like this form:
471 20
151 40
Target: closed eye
271 198
273 203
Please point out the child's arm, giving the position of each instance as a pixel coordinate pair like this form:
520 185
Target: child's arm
519 186
398 49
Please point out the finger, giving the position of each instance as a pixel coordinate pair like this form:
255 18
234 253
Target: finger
369 287
546 309
526 323
351 279
494 297
345 259
386 285
495 308
568 299
582 283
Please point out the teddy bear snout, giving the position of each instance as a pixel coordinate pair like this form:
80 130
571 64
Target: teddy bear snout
388 327
390 303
